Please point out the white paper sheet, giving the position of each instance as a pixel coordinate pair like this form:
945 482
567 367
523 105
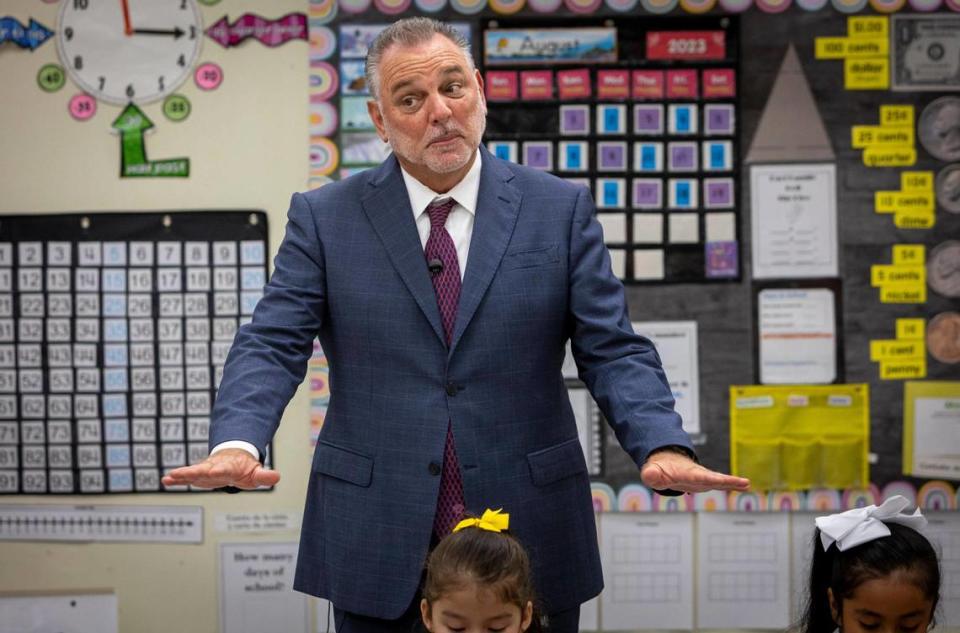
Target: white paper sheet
256 589
794 220
798 338
676 342
801 539
66 613
743 570
618 262
590 610
569 365
936 437
647 571
648 264
943 529
323 615
254 522
614 227
590 615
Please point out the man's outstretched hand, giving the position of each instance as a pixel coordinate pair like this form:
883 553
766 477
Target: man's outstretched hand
229 467
671 470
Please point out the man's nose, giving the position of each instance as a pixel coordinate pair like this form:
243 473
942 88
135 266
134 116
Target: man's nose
439 108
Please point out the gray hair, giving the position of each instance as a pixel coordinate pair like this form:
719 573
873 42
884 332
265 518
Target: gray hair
409 32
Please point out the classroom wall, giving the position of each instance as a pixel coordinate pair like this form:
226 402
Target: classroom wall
248 142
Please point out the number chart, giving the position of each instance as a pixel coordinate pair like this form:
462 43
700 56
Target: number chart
114 328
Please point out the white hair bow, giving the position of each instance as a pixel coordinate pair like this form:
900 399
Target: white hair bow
860 525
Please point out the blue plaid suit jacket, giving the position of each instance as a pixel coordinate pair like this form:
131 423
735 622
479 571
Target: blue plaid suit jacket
351 270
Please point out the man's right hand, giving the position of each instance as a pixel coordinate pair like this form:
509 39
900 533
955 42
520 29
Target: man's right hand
229 467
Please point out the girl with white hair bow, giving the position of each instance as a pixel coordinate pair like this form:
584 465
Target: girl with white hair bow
872 572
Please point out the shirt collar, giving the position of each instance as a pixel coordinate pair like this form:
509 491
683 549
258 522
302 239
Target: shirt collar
464 192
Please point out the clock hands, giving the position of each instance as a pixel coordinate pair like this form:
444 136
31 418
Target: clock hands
127 29
175 32
152 47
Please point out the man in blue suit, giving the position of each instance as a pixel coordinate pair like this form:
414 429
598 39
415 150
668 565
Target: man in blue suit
443 285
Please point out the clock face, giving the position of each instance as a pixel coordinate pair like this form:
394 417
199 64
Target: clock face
129 50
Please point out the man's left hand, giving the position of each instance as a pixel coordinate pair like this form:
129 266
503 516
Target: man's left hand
672 470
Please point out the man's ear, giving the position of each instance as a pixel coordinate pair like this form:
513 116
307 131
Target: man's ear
834 607
425 614
483 94
373 109
526 617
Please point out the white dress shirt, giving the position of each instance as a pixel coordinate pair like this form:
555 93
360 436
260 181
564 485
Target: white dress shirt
460 221
459 225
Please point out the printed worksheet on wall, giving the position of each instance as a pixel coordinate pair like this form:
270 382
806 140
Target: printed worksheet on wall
943 528
256 589
590 610
801 538
323 610
647 571
590 615
743 571
676 343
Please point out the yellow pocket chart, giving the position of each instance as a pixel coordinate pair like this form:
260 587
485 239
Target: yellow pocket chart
796 437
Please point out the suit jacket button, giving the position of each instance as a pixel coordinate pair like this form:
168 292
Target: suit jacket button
452 389
434 468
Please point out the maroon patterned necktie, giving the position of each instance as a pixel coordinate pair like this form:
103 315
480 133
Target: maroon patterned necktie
446 283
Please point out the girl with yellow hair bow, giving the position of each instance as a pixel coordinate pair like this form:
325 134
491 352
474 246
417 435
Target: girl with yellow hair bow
478 579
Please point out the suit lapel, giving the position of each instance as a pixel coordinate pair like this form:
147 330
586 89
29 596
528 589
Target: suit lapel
387 206
498 204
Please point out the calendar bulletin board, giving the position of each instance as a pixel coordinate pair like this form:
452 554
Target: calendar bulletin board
646 121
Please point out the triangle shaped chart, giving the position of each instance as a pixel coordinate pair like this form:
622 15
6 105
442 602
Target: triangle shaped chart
790 129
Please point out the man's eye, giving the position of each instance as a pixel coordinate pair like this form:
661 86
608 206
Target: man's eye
869 627
455 88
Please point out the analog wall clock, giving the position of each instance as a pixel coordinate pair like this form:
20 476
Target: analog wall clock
123 51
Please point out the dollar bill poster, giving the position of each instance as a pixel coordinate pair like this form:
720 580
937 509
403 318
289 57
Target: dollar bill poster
926 52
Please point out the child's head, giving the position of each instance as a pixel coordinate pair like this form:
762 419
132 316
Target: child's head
478 580
872 572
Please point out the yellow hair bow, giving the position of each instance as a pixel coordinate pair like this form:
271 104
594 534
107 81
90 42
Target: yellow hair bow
491 520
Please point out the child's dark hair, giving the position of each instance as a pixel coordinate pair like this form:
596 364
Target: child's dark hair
484 558
905 551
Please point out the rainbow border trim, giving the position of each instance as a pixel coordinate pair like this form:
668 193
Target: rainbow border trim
936 496
603 497
634 498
